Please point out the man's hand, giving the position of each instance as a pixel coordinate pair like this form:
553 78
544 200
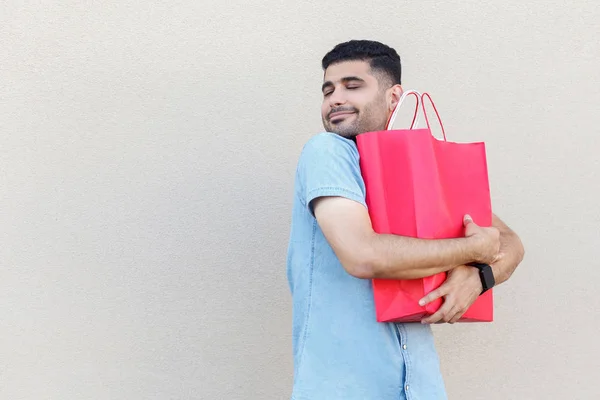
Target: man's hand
460 289
487 240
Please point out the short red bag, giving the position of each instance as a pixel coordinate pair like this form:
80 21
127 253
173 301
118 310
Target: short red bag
419 186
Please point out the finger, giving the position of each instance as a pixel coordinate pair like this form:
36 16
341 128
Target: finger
451 314
457 312
456 317
444 310
467 219
434 318
434 295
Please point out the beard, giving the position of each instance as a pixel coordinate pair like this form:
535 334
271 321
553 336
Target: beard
371 118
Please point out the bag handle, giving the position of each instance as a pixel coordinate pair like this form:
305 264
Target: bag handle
436 113
415 120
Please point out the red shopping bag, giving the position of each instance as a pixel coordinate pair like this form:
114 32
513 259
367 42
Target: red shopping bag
419 186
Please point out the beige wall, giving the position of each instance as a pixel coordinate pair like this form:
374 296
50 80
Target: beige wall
148 151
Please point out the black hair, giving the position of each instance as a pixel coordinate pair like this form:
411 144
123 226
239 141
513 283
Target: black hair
381 58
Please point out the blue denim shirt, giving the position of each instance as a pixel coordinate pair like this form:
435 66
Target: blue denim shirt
340 351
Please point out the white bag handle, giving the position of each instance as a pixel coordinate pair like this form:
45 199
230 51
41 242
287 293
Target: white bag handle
405 94
436 113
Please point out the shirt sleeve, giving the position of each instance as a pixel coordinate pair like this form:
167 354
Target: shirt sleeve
329 166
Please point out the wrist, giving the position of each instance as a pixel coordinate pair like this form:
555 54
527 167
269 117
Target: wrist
475 278
473 249
485 276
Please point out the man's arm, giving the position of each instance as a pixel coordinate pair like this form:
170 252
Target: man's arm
365 254
463 285
511 251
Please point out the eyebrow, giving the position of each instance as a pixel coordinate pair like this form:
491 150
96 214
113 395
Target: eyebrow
344 80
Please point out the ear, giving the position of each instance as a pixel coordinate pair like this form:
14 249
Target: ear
394 95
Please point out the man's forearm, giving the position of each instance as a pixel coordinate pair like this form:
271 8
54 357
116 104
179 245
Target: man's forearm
366 254
398 257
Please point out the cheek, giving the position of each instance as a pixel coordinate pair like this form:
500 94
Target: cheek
324 109
361 101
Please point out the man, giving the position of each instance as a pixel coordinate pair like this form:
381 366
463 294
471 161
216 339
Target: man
340 351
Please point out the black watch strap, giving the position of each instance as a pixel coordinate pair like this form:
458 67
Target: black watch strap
486 275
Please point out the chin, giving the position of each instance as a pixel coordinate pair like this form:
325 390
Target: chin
349 132
345 134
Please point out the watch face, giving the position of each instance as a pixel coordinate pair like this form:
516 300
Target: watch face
488 280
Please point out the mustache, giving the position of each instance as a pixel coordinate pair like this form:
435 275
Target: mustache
341 109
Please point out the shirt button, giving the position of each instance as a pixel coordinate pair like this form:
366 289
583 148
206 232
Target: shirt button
406 388
404 346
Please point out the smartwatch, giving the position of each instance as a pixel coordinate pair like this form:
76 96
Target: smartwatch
486 275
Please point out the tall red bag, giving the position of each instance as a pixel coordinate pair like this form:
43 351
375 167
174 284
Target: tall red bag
419 186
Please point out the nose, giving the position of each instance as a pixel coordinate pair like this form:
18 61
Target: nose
337 98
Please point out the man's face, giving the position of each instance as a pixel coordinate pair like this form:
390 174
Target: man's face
353 100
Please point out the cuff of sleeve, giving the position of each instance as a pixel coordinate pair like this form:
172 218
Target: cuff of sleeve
332 191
